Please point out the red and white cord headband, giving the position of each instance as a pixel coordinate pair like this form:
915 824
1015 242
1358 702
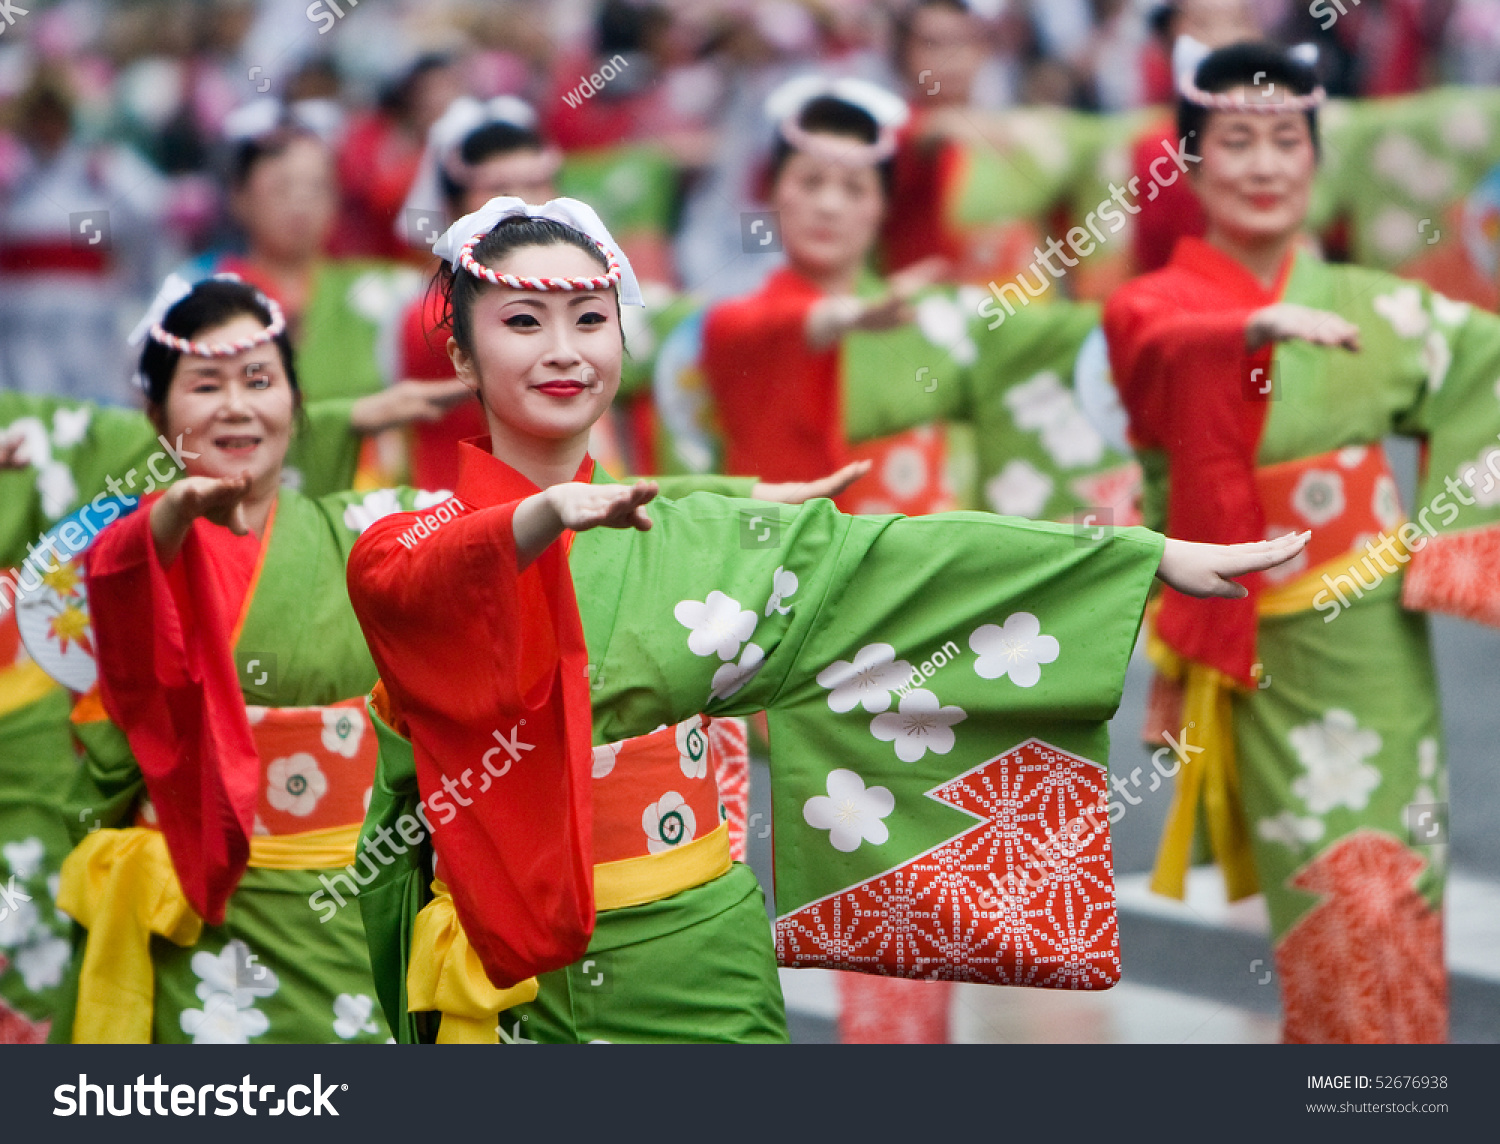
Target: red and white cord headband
174 290
456 247
1274 103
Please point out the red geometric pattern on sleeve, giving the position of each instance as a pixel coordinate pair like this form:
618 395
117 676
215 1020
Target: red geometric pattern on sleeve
1365 965
1025 897
1454 573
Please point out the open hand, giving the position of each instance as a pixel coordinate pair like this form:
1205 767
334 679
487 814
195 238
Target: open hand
220 500
1285 321
1209 569
13 453
582 507
796 492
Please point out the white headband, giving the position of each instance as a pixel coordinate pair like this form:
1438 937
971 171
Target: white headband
784 106
456 246
1188 53
174 290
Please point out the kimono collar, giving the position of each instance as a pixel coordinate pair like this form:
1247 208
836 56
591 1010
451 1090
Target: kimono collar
1199 257
485 480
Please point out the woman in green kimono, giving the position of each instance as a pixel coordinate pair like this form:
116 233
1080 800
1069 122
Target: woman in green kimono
563 858
1260 383
62 455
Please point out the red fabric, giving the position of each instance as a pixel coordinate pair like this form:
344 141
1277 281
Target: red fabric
377 163
778 401
424 357
43 257
1175 212
167 678
1177 349
915 228
472 652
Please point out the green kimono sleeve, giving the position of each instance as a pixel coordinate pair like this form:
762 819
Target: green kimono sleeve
343 349
324 452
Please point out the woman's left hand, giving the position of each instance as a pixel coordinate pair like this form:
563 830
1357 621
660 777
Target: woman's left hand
406 402
795 492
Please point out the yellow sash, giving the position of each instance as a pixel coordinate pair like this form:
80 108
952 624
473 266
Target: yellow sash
1210 773
121 887
444 974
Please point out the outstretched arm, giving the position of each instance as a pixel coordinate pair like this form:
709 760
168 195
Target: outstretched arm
1210 569
542 518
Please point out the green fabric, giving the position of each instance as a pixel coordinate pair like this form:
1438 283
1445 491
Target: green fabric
827 587
1050 151
633 186
302 629
351 305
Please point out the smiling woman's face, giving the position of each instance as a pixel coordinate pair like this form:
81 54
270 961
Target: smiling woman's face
1257 171
546 362
235 413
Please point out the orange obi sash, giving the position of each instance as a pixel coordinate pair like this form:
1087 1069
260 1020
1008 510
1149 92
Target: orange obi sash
318 764
1349 499
659 829
906 475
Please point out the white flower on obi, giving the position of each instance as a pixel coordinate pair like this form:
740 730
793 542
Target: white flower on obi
692 747
604 759
295 784
1333 752
718 626
378 504
733 676
1481 477
69 426
850 812
1350 456
1019 489
867 682
1290 830
904 472
944 323
1018 649
343 728
1449 312
24 858
1386 502
1319 496
1402 308
783 585
41 962
229 985
668 822
1436 357
54 480
351 1015
919 725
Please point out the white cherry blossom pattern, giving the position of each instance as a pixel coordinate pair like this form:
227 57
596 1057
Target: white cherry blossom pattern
1432 785
70 426
24 858
229 985
668 823
295 784
19 921
376 506
1019 489
1333 752
1482 477
1394 231
42 961
716 626
1450 312
54 480
1402 308
1044 405
1290 830
604 759
851 812
1017 650
1436 357
733 676
945 323
692 748
783 587
351 1015
1386 502
1350 456
343 728
867 682
919 725
1319 496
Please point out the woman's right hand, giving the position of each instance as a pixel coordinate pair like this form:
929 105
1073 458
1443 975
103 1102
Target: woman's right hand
1285 321
13 452
220 500
541 519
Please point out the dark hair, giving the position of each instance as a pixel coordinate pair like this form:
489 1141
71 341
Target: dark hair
905 18
459 288
1245 64
212 303
271 145
480 145
829 115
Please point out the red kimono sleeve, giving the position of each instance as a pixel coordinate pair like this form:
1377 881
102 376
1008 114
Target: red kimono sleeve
167 678
1185 380
488 668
